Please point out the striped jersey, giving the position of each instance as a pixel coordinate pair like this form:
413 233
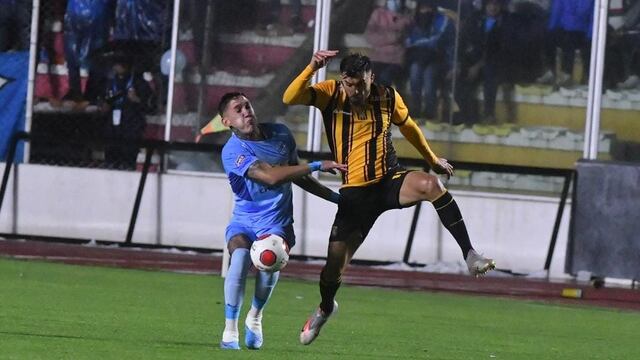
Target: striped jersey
360 139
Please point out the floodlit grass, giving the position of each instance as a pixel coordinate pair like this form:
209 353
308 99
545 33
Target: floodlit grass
54 311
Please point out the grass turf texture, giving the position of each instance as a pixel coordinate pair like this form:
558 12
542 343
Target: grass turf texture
54 311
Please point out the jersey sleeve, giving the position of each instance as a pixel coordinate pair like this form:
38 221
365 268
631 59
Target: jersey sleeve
400 112
237 160
299 92
323 92
293 150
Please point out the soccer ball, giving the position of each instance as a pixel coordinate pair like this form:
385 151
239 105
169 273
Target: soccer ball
269 253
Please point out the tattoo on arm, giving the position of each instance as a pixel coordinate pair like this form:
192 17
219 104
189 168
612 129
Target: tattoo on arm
257 169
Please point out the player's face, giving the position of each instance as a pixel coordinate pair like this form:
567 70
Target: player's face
358 87
240 117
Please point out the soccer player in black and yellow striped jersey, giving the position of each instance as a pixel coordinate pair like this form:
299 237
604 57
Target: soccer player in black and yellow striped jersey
357 115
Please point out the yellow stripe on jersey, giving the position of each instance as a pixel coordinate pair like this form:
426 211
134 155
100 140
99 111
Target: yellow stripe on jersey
360 138
361 141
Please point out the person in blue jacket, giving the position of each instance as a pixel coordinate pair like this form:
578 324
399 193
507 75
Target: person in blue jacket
486 59
430 47
570 28
143 28
86 32
128 98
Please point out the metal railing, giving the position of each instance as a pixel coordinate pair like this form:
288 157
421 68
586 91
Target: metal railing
162 147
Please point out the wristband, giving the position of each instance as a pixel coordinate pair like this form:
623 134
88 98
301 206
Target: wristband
334 198
315 166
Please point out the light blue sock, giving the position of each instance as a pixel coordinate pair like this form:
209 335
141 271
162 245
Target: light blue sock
234 283
265 283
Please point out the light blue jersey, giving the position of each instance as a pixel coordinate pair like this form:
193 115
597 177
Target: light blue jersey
257 205
259 210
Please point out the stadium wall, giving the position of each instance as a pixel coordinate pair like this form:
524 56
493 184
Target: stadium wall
192 210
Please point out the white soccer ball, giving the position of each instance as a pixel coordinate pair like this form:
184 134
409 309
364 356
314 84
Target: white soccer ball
269 253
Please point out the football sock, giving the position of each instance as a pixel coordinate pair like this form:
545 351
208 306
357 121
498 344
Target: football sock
328 290
451 218
234 289
265 283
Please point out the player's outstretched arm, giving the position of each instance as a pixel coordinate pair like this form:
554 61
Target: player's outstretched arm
310 184
299 91
321 58
276 175
413 134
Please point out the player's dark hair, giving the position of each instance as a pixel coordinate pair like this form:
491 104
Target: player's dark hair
355 64
226 99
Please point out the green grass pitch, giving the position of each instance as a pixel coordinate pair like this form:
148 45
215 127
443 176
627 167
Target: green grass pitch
54 311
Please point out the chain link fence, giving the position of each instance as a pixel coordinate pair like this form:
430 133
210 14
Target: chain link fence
15 29
98 77
103 67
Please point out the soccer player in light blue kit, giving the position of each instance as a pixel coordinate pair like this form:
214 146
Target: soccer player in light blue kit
261 162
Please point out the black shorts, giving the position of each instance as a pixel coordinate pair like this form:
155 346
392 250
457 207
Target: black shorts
360 206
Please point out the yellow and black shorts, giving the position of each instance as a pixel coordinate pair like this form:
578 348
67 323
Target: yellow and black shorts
360 206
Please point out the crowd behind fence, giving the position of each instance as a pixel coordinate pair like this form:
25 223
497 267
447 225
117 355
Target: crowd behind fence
491 81
163 148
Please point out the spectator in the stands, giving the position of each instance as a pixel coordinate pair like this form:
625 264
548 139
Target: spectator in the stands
526 43
430 47
629 39
293 23
15 24
128 99
227 14
570 29
143 29
86 31
485 60
385 32
195 27
542 4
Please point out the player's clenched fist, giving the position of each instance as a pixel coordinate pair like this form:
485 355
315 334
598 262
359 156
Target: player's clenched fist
321 58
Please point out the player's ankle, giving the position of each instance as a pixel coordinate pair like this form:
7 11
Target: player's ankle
326 308
230 335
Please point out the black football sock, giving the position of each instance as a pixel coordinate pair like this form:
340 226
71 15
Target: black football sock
451 218
328 290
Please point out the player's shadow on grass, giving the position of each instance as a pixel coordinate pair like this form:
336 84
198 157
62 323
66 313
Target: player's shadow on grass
76 337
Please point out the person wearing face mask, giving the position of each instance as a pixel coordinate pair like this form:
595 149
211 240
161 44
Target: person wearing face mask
385 32
485 59
430 47
358 115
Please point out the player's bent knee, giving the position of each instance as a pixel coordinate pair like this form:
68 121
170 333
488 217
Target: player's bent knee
238 241
430 187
